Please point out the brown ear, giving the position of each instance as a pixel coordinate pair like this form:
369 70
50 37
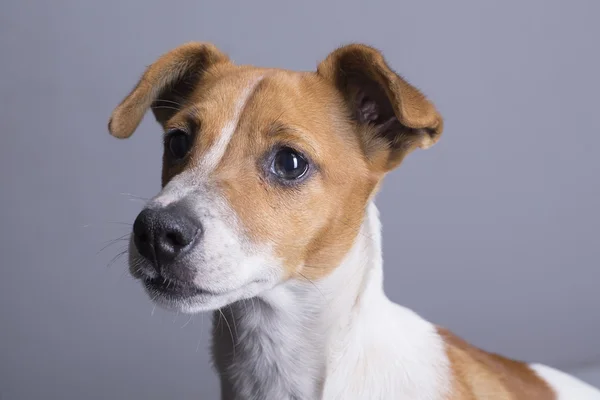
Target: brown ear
164 86
393 117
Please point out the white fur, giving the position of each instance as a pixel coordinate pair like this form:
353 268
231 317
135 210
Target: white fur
380 350
226 263
213 156
177 188
566 386
339 338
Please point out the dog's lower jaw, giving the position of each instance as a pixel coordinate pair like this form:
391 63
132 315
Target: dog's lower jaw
339 338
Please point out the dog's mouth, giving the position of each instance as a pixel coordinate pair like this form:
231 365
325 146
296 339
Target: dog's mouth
172 289
187 296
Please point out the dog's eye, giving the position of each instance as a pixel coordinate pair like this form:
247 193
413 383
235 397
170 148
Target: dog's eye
178 143
289 164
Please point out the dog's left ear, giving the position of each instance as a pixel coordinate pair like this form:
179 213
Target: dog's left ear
165 86
392 116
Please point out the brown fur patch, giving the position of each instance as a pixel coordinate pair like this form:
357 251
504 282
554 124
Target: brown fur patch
481 375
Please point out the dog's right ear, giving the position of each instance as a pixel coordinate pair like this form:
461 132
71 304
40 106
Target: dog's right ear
165 86
393 117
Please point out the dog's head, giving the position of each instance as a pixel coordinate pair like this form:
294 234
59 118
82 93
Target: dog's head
266 172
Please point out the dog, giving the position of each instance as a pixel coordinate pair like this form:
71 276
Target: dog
266 217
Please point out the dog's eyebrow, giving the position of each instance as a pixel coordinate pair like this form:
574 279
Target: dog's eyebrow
277 127
280 128
187 119
295 133
191 119
192 115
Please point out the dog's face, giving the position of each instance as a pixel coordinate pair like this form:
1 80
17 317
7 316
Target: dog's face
266 173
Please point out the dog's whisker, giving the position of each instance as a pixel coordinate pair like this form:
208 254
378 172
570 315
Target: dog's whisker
188 321
96 225
134 196
167 107
136 266
119 223
253 305
314 285
168 101
219 324
137 270
112 242
233 321
201 328
117 257
245 306
230 333
138 262
124 236
123 273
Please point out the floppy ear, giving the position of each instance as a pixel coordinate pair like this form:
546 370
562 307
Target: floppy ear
164 86
393 117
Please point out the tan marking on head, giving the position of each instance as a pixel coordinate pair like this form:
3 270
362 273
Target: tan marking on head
354 119
481 375
310 225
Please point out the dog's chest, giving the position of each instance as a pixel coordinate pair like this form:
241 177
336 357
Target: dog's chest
269 360
391 354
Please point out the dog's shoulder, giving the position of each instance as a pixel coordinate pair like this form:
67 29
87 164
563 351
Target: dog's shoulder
477 374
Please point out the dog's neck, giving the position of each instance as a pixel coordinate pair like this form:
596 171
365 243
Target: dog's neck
279 345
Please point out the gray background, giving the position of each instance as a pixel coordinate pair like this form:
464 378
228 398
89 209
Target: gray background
500 245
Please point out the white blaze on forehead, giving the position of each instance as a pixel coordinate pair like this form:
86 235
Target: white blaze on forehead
179 187
215 153
188 180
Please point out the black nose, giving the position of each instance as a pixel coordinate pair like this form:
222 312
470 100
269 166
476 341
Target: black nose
162 235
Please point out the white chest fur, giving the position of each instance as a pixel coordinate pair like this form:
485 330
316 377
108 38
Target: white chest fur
339 338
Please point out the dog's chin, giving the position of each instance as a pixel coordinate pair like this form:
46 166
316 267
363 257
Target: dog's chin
188 298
